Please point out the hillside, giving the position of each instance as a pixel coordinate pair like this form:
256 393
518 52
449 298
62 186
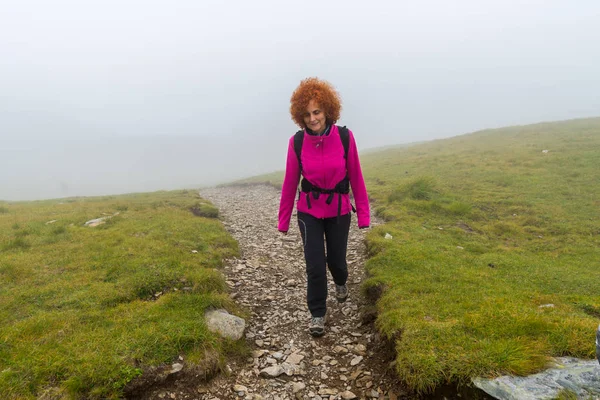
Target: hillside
492 265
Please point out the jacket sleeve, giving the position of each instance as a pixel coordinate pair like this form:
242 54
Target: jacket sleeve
357 183
288 191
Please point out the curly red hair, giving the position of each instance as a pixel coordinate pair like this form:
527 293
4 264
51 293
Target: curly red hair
323 93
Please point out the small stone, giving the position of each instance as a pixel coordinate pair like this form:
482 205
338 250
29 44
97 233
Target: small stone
356 360
374 394
294 358
388 236
324 376
340 350
271 372
327 392
258 353
176 368
194 251
277 355
348 395
298 386
240 388
259 342
333 362
360 349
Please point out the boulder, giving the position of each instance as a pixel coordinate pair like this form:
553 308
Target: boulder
225 324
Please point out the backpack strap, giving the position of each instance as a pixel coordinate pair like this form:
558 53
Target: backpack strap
298 139
345 136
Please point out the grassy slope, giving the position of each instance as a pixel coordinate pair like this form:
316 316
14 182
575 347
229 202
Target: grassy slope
486 229
78 305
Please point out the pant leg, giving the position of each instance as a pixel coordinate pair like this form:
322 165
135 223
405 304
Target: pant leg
312 232
336 235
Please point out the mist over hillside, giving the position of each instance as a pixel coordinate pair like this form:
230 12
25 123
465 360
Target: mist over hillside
41 169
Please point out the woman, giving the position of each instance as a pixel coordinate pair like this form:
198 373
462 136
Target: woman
327 158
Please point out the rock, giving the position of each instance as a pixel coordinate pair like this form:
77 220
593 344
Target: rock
175 368
294 358
240 388
275 370
327 392
581 377
324 376
360 349
340 350
258 353
298 386
272 372
374 394
95 222
356 360
225 324
546 306
348 395
388 236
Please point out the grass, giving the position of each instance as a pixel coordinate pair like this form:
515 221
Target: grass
83 311
493 264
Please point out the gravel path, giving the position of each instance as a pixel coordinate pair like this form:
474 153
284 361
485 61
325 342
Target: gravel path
349 362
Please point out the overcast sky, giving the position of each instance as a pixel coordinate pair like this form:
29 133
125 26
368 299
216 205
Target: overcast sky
101 97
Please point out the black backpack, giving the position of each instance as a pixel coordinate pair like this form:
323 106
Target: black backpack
299 139
343 187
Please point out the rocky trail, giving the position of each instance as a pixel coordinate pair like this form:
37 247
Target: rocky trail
350 362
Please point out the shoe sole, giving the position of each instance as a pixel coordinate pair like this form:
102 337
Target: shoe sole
342 300
317 332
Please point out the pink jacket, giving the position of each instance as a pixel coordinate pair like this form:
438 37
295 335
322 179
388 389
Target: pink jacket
323 164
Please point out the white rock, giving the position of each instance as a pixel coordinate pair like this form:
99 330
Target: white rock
348 395
240 388
225 324
298 386
356 360
294 358
176 368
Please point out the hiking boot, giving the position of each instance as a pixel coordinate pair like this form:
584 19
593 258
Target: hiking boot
317 326
341 293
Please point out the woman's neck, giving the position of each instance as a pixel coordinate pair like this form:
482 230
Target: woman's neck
324 133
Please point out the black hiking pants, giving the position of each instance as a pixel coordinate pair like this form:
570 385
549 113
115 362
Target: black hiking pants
316 233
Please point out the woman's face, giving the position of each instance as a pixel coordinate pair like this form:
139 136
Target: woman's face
314 118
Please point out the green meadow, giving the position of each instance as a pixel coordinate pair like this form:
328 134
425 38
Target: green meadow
85 310
493 262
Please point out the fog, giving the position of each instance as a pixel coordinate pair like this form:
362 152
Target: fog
107 97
